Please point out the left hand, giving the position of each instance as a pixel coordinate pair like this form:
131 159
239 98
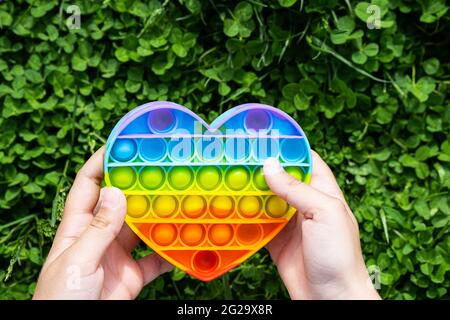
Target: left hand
91 254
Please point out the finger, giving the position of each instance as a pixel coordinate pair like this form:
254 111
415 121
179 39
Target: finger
153 266
307 200
323 178
102 230
83 196
127 238
80 203
291 229
84 193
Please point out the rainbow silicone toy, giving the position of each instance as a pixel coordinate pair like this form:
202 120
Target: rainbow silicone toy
196 193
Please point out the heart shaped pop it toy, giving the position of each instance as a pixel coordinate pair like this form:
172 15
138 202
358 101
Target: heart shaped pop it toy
196 193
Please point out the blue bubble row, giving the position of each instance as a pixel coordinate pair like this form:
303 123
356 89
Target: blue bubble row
289 150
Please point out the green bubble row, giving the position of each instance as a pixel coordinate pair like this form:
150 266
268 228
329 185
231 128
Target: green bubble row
207 178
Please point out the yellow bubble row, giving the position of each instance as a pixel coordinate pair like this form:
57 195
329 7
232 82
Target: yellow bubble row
197 207
204 235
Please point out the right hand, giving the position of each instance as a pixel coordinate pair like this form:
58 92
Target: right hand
318 253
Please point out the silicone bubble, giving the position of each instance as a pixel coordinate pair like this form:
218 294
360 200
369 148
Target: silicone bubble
222 206
237 177
153 149
237 149
296 172
165 206
151 177
192 234
137 206
276 207
196 191
124 149
181 149
194 206
161 120
259 180
181 178
122 177
248 234
292 150
164 234
210 149
250 206
258 120
266 147
205 261
220 234
209 177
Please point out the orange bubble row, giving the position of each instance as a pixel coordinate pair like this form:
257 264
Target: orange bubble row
197 206
204 235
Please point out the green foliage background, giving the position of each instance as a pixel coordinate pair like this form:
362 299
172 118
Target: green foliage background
373 102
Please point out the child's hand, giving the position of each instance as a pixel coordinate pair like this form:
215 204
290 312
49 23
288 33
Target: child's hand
90 257
318 253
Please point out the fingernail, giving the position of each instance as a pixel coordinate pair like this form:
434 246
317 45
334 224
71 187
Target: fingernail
110 197
272 166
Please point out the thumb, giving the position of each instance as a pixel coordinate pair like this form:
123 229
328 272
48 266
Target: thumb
307 200
103 228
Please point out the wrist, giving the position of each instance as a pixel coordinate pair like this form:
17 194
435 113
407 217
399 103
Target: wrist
335 290
361 291
352 289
